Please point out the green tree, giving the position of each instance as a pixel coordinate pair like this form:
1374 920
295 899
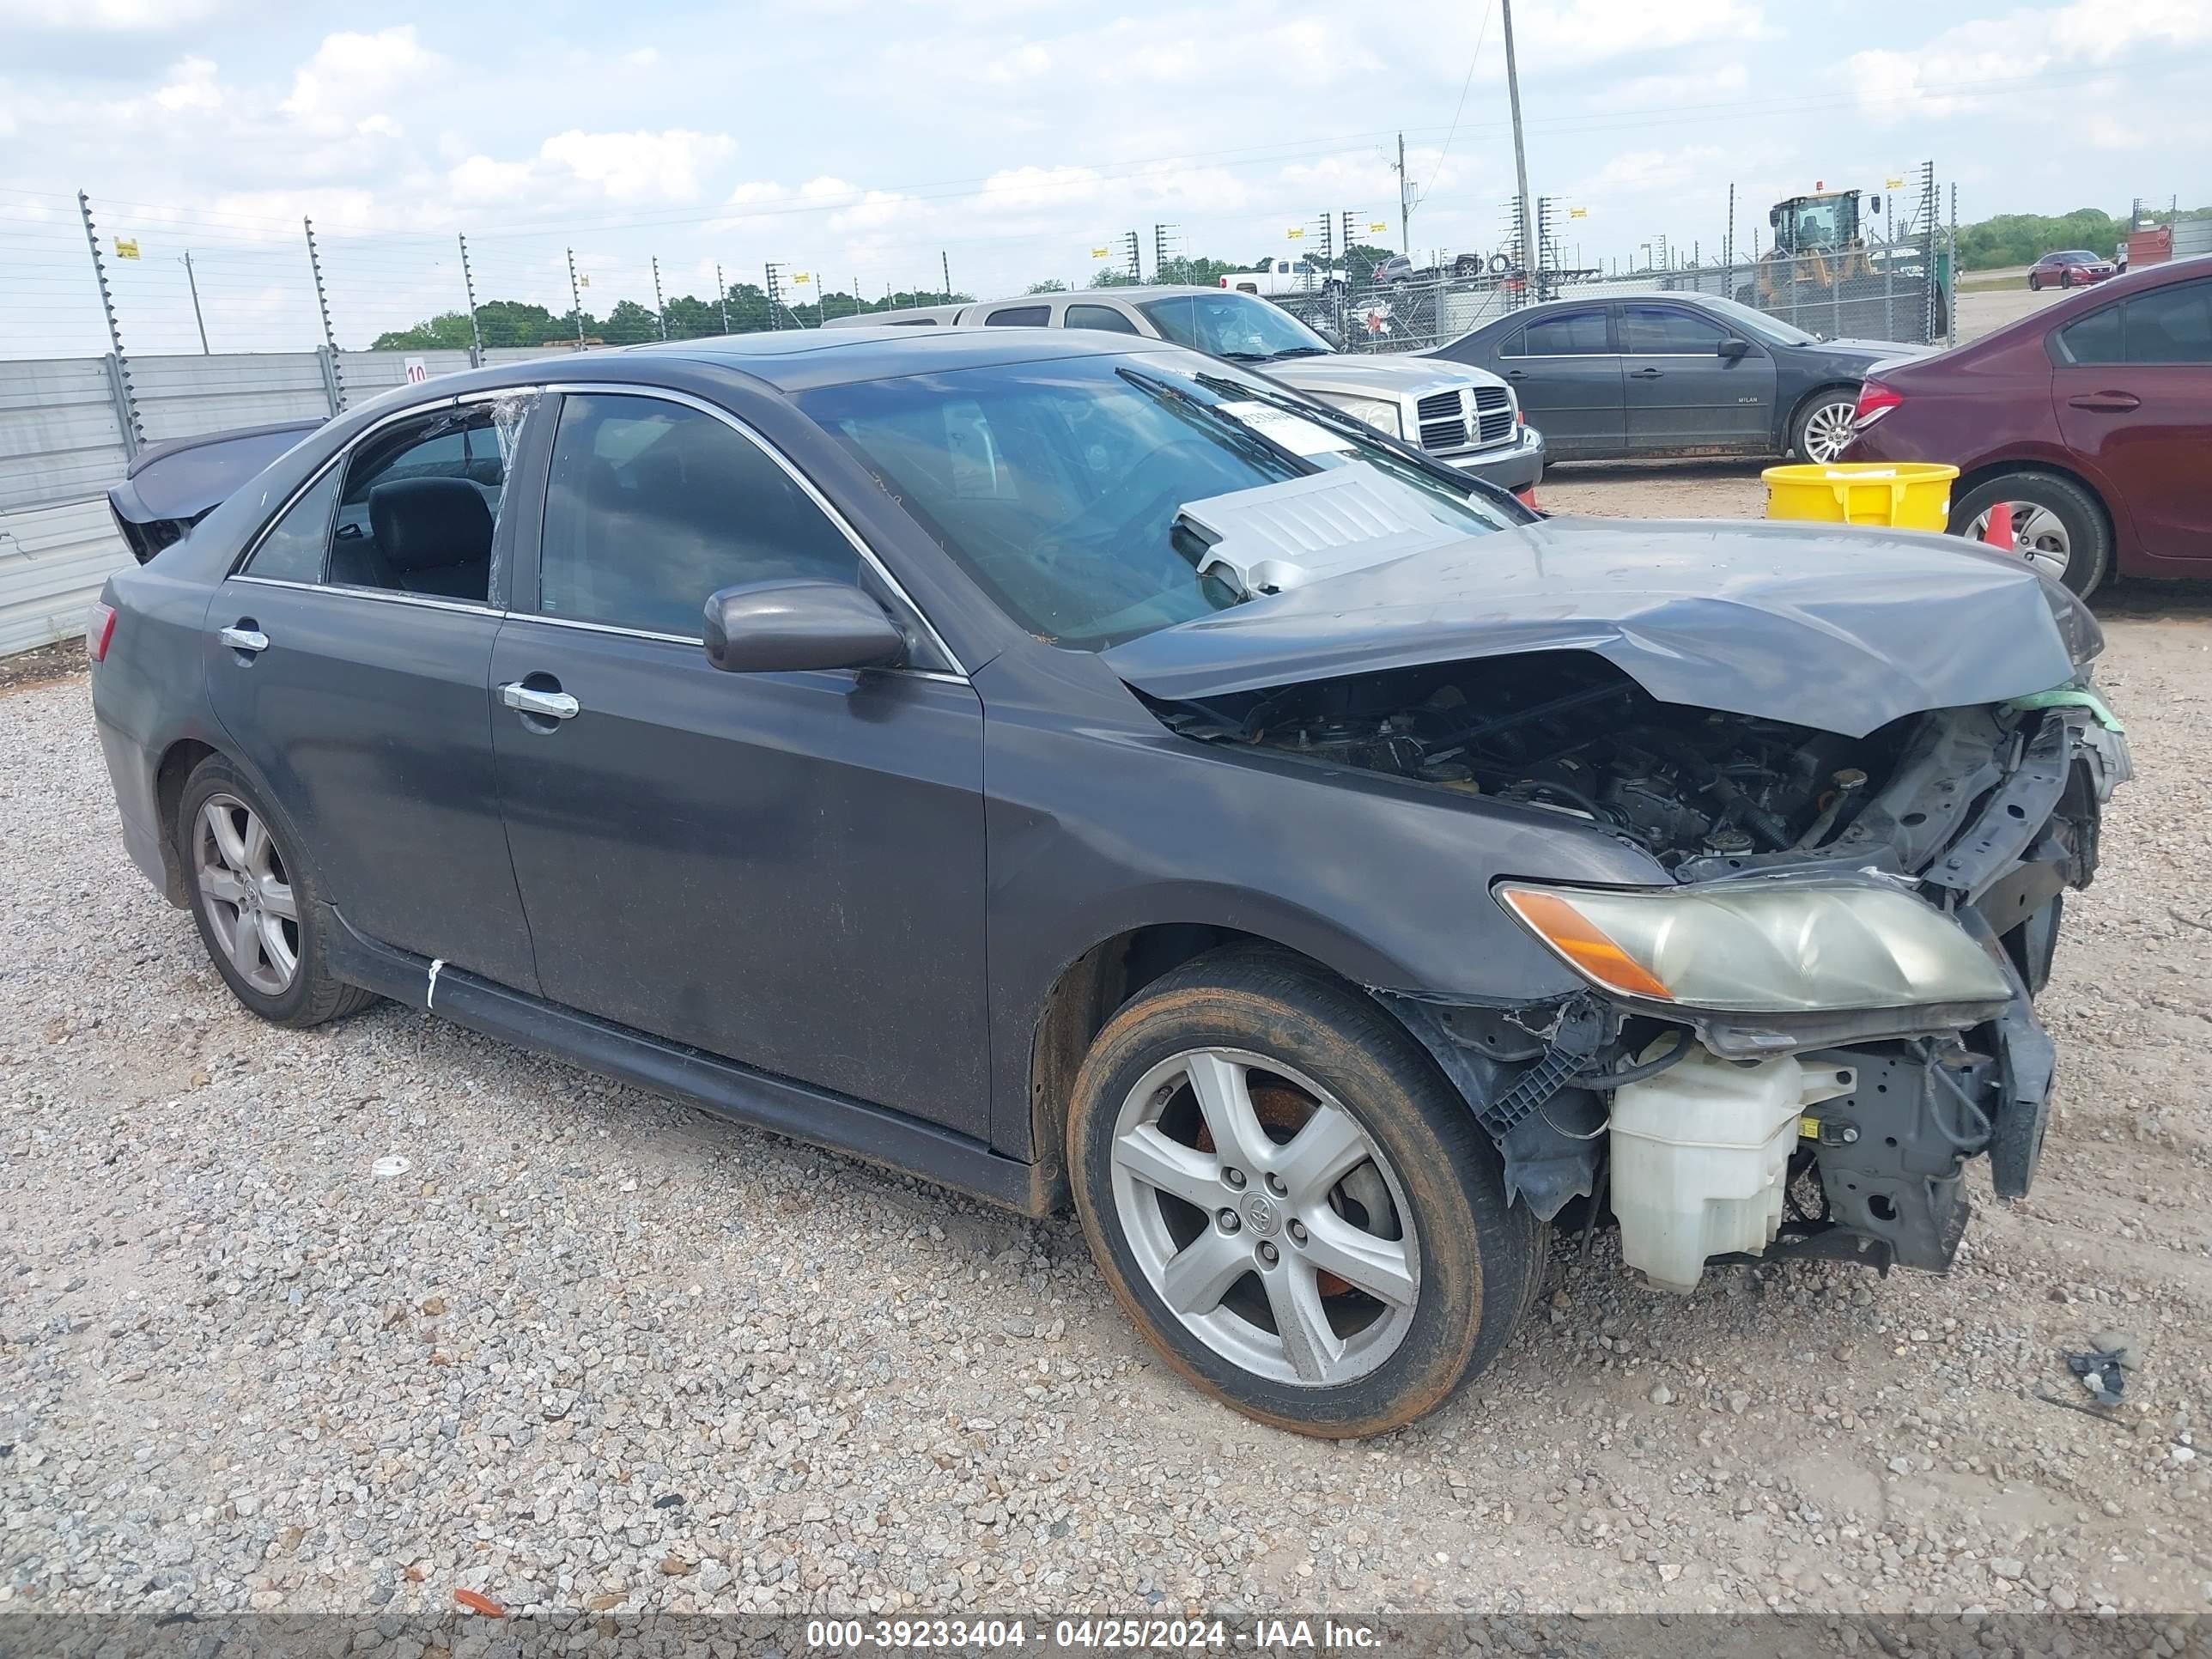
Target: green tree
446 332
1052 285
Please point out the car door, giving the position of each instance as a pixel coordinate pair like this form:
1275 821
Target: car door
349 659
1680 394
783 869
2133 393
1567 374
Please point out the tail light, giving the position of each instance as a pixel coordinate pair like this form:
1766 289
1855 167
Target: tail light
1875 400
99 629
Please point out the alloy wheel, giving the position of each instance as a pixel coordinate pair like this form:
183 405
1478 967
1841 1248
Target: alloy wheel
1266 1217
2039 535
1828 432
251 909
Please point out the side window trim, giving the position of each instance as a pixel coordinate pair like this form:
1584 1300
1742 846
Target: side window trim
413 411
821 503
1628 341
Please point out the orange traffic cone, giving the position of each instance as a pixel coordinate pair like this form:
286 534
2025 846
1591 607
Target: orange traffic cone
1526 497
1999 531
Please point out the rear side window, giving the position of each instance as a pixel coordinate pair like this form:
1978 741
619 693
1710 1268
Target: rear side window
2094 339
653 505
1569 334
1020 317
1102 317
2171 325
293 550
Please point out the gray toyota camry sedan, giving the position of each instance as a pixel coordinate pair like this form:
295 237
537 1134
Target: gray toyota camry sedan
1076 770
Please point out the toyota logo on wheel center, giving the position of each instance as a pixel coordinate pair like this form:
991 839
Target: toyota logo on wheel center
1260 1213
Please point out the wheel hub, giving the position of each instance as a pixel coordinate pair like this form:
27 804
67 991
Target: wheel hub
1260 1214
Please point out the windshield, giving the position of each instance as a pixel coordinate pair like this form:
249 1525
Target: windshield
1757 324
1056 485
1234 325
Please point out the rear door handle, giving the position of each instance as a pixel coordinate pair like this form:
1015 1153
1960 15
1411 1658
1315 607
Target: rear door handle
2113 403
1645 373
527 700
1516 374
239 637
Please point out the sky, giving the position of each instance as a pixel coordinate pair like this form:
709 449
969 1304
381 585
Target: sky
879 143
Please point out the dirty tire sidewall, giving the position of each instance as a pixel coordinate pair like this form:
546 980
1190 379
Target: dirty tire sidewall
2089 537
1478 1258
314 994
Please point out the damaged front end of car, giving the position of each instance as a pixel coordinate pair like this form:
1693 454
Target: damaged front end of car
1795 1035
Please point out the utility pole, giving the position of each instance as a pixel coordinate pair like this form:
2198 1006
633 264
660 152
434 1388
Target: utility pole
1406 212
469 288
193 283
1520 151
945 266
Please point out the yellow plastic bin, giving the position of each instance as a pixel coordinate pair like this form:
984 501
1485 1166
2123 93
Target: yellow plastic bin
1902 495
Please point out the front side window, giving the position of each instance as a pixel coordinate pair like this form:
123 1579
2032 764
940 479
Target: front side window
2171 325
1057 486
1665 332
653 505
1569 334
1100 317
1020 317
1236 326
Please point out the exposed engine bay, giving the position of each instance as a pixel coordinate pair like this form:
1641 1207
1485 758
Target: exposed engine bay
1840 1130
1579 738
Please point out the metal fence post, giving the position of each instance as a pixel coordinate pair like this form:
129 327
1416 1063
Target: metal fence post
332 376
333 394
1951 287
469 288
722 295
659 304
118 367
576 299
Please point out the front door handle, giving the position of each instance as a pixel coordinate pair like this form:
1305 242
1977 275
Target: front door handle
1516 374
1644 373
527 700
2110 402
242 637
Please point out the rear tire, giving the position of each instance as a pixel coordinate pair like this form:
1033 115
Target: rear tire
1412 1204
253 893
2063 520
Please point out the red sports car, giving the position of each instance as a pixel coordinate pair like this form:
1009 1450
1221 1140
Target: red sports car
2073 268
2089 422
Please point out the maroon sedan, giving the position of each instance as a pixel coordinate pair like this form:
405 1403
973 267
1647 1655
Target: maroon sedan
2075 268
2089 422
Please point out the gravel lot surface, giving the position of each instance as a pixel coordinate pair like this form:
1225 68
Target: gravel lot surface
590 1351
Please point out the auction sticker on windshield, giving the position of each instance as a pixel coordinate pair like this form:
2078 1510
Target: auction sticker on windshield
1293 432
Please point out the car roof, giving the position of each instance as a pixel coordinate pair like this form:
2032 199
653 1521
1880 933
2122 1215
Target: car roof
799 359
1132 291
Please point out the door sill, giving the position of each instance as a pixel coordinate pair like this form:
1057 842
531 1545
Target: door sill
876 1135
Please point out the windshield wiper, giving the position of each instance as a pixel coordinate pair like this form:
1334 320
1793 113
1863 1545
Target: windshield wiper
1255 445
1243 356
1296 351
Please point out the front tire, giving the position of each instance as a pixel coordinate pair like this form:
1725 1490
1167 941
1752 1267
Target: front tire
2065 279
1822 429
253 898
1295 1206
2034 283
2058 527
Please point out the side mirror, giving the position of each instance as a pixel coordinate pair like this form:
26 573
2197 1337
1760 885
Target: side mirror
782 627
1774 215
1733 348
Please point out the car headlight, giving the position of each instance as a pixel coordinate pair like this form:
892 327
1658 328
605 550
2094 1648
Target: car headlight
1761 947
1378 412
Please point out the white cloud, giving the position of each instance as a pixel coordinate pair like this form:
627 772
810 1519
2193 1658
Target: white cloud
191 85
353 80
105 16
1025 189
1976 66
641 167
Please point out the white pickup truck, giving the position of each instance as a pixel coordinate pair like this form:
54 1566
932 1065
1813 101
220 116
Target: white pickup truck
1280 277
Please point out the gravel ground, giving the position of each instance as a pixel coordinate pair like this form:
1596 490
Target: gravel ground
590 1351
